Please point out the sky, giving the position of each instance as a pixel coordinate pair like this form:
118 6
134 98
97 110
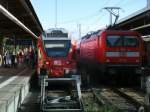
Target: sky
89 13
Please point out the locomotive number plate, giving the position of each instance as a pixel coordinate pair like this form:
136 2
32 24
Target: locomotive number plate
57 62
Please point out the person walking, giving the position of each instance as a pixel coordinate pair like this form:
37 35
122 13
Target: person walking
1 60
4 57
13 60
8 59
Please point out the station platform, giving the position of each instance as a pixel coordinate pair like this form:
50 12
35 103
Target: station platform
14 87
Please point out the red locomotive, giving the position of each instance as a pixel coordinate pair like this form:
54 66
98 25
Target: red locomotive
111 51
56 53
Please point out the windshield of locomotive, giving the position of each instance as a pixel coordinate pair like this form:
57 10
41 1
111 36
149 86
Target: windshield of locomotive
122 40
57 48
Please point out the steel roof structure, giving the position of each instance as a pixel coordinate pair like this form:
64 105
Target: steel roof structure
138 21
17 17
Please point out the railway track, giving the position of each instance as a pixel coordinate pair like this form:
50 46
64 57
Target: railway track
124 100
134 97
90 104
101 100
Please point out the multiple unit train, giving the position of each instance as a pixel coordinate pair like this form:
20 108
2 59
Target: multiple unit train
111 51
56 53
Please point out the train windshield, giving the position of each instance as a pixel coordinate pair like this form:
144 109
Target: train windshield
131 41
57 48
120 40
114 40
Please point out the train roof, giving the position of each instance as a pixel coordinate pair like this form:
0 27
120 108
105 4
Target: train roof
56 29
56 33
88 35
124 31
54 38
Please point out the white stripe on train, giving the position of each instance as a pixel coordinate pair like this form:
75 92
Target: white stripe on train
118 54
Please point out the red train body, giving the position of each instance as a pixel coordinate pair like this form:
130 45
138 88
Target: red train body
110 50
56 53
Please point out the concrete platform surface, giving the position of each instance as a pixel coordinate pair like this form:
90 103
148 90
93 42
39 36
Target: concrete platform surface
14 89
3 106
7 73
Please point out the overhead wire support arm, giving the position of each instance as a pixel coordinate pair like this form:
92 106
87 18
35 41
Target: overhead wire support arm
112 10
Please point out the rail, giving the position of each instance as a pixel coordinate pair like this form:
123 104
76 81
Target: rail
120 100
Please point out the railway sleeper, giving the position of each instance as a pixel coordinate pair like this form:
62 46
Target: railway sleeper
115 101
65 103
140 106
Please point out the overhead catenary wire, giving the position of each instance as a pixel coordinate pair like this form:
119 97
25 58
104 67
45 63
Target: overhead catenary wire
96 13
80 18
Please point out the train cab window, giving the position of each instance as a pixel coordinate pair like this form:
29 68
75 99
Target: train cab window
113 40
131 41
56 48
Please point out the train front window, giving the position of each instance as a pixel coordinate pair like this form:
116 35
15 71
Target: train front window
57 48
113 40
122 40
130 41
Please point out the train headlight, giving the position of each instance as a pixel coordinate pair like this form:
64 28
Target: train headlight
107 60
137 60
68 62
47 62
70 50
74 71
70 71
67 71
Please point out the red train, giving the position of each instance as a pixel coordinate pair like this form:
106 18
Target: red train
56 53
111 51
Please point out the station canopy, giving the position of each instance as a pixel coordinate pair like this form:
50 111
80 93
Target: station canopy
138 21
24 12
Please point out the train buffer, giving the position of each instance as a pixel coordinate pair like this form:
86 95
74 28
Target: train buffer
64 100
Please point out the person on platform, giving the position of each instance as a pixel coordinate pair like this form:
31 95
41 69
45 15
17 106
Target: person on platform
13 60
8 59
